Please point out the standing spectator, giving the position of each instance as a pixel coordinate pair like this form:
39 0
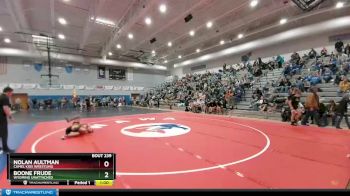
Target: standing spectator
5 112
323 114
280 61
293 103
331 111
34 102
229 99
312 54
18 103
347 50
312 107
341 111
324 52
339 46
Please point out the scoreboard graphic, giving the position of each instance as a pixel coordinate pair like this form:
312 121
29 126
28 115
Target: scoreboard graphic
97 169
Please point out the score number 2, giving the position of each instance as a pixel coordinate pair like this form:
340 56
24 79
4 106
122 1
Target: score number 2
106 165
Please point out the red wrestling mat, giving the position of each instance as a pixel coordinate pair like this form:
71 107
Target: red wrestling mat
184 150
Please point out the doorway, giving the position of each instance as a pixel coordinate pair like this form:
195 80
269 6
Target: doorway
20 101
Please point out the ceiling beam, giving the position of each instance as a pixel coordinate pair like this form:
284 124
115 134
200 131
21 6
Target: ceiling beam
174 20
231 26
138 10
53 17
16 12
98 4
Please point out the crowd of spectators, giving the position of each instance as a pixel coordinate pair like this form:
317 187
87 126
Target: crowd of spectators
88 103
217 92
214 92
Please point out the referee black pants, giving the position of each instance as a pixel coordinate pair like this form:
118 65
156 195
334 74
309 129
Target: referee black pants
4 133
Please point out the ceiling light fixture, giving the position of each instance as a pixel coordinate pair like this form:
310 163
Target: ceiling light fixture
192 33
130 36
148 21
7 40
283 21
61 36
254 3
340 4
180 57
240 36
170 44
110 53
119 46
104 21
198 50
0 29
222 42
209 24
62 21
162 8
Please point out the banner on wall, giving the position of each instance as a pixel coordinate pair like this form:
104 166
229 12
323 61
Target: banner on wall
43 86
55 87
16 86
126 88
38 67
117 88
109 87
59 69
101 73
2 86
80 87
29 86
93 87
69 69
99 87
140 88
68 87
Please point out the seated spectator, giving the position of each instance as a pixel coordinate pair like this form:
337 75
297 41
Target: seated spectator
263 105
300 84
257 103
314 79
295 58
324 52
344 85
296 69
283 86
312 54
257 94
338 79
287 69
327 75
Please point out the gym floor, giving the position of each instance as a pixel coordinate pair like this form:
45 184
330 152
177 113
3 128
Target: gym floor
158 149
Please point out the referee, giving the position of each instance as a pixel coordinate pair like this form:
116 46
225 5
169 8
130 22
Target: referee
5 112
